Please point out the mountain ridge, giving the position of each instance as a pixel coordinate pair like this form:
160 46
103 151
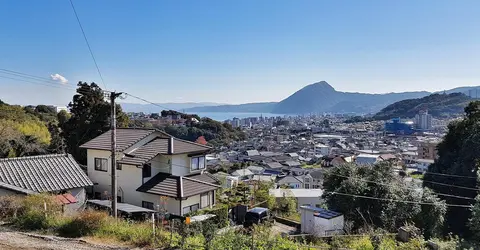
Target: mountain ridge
437 105
319 97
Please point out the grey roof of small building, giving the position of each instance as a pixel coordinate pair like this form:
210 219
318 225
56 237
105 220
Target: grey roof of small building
45 173
274 165
180 186
317 174
255 168
159 146
124 207
242 172
292 163
126 137
289 179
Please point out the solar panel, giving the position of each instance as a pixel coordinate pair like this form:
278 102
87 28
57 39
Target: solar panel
322 213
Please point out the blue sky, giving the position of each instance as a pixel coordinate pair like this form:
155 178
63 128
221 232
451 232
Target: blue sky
239 51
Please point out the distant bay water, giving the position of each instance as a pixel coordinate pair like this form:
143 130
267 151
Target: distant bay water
222 116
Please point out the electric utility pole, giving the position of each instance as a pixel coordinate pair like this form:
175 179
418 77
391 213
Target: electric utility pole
113 125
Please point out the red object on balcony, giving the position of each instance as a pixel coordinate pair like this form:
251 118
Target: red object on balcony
201 140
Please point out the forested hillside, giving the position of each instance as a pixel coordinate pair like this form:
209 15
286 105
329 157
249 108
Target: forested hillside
437 105
28 130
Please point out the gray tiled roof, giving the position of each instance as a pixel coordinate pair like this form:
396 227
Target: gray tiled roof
45 173
170 185
126 137
146 152
160 146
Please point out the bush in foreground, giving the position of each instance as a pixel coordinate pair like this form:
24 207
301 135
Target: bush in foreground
83 224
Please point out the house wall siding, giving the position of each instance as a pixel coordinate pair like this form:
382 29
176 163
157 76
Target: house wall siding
100 179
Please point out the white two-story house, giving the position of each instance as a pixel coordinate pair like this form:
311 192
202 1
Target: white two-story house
154 170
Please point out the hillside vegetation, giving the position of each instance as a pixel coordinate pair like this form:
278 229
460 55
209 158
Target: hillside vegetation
26 130
437 105
216 133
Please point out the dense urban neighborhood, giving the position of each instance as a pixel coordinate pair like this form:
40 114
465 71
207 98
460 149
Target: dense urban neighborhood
315 175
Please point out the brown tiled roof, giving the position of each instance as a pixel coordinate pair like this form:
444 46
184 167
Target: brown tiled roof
162 184
45 173
158 146
183 147
178 186
126 137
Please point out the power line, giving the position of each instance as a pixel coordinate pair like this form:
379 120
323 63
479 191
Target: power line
385 184
449 185
393 200
88 44
451 175
20 74
147 101
38 83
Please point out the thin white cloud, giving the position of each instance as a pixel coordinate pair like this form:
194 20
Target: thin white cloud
59 78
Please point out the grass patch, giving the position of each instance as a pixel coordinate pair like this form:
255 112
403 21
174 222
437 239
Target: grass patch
417 176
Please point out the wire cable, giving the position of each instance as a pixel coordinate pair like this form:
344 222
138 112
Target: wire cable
386 184
451 175
38 83
147 101
88 44
20 74
393 200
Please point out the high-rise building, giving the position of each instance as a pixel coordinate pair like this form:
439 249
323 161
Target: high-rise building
423 120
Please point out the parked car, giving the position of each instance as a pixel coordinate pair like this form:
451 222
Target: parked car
257 215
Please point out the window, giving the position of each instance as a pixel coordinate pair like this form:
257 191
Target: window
147 170
101 164
189 209
119 198
204 200
147 204
197 163
119 166
98 195
194 164
201 161
307 186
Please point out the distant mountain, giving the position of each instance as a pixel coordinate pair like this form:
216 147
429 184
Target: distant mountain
150 108
472 91
321 97
260 107
436 104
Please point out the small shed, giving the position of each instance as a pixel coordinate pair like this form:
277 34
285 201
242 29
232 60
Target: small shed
321 222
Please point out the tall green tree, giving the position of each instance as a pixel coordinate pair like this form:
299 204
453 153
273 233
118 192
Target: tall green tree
459 154
378 181
90 117
474 221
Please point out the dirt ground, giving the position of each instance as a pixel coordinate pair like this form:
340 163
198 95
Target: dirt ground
12 240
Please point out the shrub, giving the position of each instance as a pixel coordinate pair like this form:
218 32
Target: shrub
9 206
32 220
85 223
387 244
38 202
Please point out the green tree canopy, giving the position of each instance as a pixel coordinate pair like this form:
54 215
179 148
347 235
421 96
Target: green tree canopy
90 117
459 154
381 182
